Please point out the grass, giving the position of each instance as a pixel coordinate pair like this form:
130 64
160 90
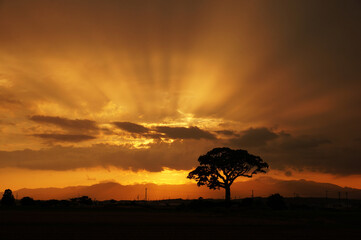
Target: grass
178 219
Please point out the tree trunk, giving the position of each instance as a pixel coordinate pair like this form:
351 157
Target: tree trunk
228 193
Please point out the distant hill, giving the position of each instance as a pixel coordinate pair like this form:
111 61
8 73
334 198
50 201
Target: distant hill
262 187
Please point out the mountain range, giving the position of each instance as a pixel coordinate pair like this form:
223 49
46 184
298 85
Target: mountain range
261 187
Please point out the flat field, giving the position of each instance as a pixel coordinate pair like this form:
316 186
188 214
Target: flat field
138 223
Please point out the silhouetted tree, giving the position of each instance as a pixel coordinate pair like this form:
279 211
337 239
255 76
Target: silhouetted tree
27 201
221 166
276 201
8 198
84 200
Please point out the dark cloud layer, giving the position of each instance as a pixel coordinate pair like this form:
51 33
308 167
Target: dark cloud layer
165 131
302 142
178 155
64 137
227 132
67 124
280 149
260 137
7 100
131 127
182 155
185 133
283 151
254 137
74 131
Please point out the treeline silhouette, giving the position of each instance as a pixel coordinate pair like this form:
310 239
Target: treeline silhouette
273 202
8 199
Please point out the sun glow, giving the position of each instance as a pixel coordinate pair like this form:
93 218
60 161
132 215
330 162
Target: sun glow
8 176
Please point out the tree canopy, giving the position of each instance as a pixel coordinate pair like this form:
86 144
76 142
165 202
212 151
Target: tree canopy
221 166
8 198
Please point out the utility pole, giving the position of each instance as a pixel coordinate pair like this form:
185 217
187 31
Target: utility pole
326 198
346 199
252 194
339 198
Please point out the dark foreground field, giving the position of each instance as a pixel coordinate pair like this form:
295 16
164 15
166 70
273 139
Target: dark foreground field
169 223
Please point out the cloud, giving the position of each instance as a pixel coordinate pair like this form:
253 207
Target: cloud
7 100
254 137
67 124
75 131
64 137
131 127
284 150
183 155
260 137
185 133
180 155
227 133
289 142
6 123
165 131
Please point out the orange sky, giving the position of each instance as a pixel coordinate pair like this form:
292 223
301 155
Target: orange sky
135 91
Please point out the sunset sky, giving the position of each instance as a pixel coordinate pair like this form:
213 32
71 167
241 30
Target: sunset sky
135 91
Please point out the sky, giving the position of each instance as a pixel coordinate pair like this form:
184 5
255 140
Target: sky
135 91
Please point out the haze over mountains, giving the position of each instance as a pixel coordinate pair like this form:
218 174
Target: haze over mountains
262 187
